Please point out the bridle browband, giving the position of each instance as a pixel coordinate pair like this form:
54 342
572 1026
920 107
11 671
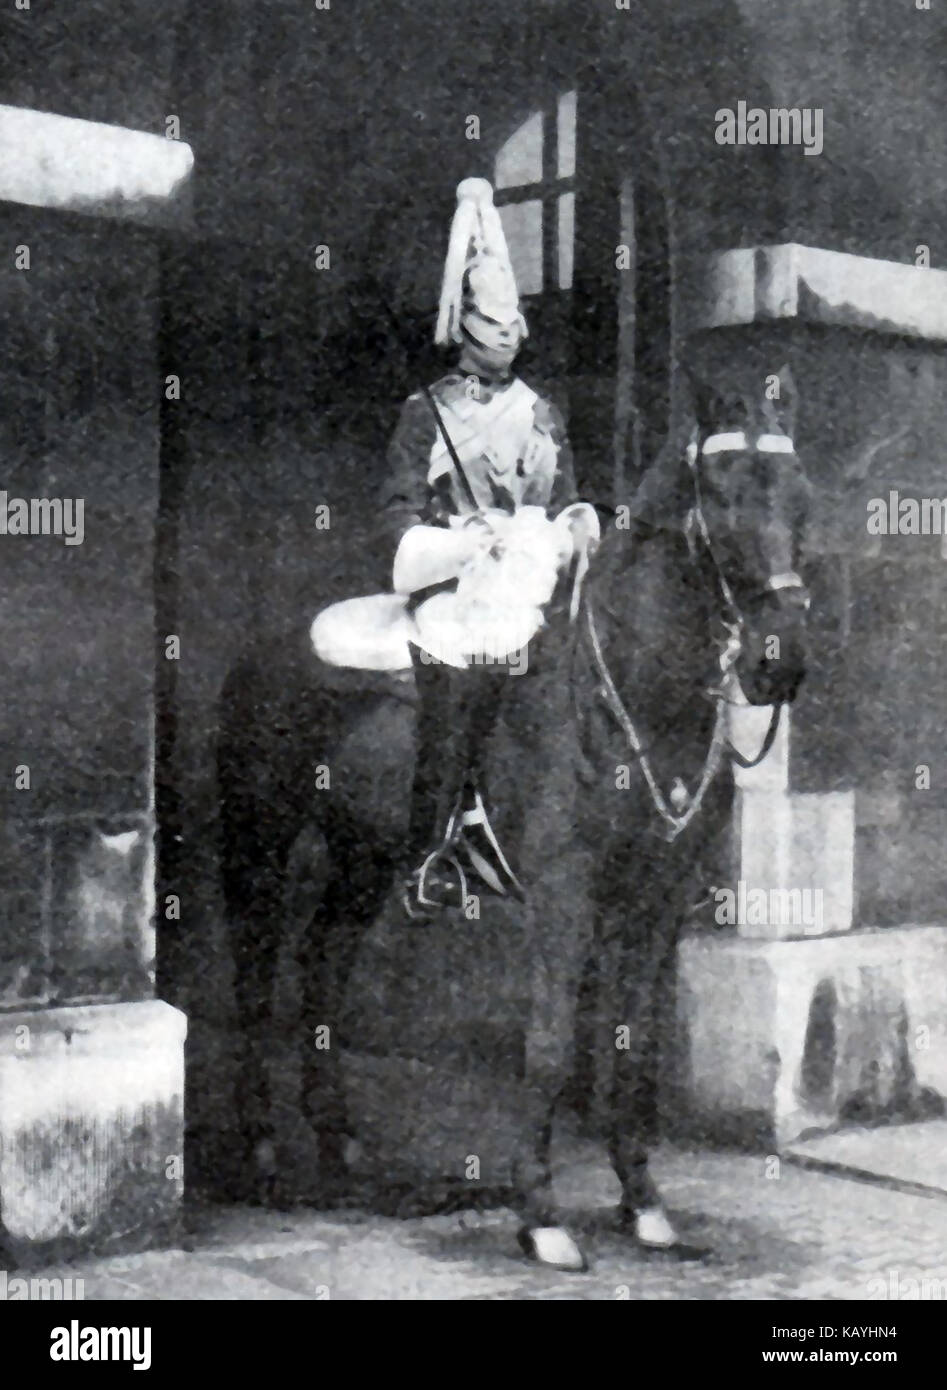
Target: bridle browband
677 820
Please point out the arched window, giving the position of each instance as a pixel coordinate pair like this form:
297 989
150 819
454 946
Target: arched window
577 182
534 178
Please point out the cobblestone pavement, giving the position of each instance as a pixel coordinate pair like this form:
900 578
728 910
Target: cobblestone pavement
776 1231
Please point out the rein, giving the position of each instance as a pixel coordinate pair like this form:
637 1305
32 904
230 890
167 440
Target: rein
675 823
720 746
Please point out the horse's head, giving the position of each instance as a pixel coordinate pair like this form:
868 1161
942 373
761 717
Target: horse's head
750 503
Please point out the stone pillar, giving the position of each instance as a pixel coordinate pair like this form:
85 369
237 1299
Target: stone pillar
826 1032
91 1103
91 1083
793 860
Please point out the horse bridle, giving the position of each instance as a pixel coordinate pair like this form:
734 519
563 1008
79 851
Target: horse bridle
677 821
716 444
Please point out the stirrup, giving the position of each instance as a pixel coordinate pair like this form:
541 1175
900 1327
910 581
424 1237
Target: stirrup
478 818
415 890
498 875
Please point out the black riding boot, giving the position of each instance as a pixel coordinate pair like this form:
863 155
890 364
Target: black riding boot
449 797
437 778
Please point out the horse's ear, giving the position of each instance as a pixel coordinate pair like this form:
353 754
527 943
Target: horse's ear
708 405
665 491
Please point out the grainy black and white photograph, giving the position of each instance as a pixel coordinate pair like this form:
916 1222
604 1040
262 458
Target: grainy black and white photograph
473 533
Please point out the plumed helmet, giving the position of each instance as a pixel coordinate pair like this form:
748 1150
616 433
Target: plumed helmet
479 288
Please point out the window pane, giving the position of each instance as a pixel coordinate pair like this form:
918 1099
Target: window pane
566 239
523 225
565 127
521 159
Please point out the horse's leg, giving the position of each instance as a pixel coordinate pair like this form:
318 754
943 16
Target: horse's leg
535 787
633 1128
332 944
360 877
254 918
560 943
641 958
259 763
541 1235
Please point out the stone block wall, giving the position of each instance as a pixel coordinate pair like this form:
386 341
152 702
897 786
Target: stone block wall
871 418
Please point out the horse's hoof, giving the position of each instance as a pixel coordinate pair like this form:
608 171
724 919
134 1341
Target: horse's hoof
652 1232
652 1227
553 1247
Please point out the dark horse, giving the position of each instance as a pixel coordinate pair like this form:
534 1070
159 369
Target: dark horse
609 777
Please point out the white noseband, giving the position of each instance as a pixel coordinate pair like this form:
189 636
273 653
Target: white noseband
788 580
737 440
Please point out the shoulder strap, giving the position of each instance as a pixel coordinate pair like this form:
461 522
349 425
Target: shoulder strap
458 466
